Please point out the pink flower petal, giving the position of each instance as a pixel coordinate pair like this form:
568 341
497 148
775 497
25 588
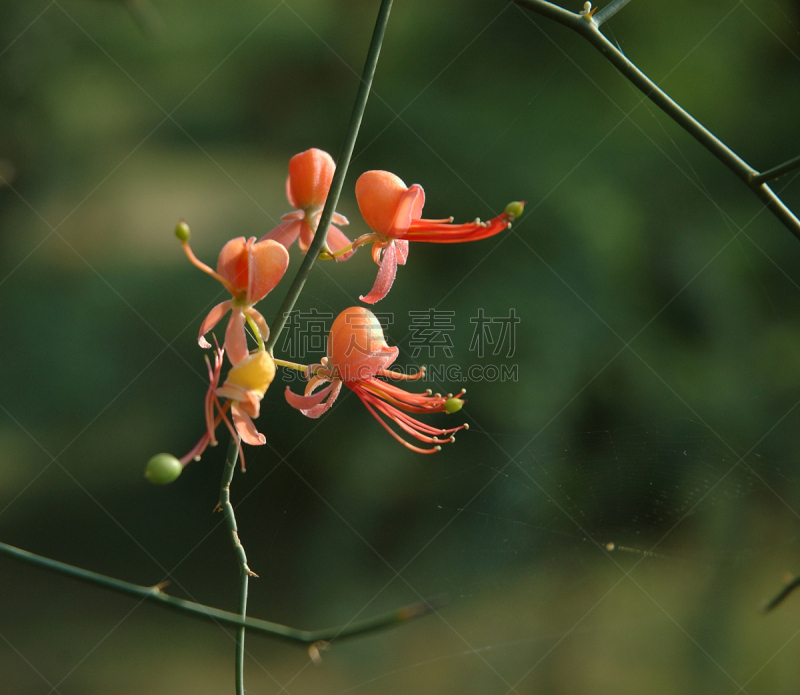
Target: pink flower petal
246 428
289 195
285 233
213 318
294 215
369 366
409 208
402 251
312 406
385 277
314 382
340 219
337 241
232 263
235 340
306 236
268 262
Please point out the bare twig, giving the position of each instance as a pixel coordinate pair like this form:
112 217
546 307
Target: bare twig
777 171
587 27
156 595
609 11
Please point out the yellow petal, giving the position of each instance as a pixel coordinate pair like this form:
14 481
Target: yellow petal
254 373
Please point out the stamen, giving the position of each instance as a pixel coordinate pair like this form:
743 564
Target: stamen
390 374
213 273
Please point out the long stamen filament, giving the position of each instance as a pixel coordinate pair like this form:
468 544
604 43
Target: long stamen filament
328 255
291 365
206 269
256 332
390 374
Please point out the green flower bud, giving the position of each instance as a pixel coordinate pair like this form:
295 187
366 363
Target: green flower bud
453 405
163 469
515 209
182 231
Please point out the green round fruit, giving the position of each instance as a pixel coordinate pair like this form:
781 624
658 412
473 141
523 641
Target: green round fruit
182 231
163 469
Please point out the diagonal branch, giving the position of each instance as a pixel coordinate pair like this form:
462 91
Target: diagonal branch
588 28
156 595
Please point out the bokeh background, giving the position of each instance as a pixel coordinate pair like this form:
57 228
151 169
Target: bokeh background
614 518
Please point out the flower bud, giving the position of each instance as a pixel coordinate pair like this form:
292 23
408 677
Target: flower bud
453 405
515 209
163 469
182 232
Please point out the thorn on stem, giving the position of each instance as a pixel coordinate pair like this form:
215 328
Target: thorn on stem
314 650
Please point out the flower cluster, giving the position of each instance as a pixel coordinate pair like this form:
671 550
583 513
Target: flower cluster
358 356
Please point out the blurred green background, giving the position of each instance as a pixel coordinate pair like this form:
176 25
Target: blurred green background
657 352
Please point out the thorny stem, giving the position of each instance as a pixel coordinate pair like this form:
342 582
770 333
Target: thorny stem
156 595
318 244
752 178
244 571
609 11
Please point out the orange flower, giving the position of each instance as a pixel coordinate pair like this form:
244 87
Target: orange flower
357 354
393 212
310 176
249 270
245 386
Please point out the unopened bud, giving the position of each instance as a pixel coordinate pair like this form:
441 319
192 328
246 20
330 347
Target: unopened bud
182 231
515 209
453 405
163 469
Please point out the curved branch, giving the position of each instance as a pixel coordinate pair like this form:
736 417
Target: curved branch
587 27
156 595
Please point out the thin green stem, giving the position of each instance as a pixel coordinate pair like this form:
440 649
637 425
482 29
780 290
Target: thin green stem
291 365
244 571
156 596
609 11
589 30
777 171
256 332
337 184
